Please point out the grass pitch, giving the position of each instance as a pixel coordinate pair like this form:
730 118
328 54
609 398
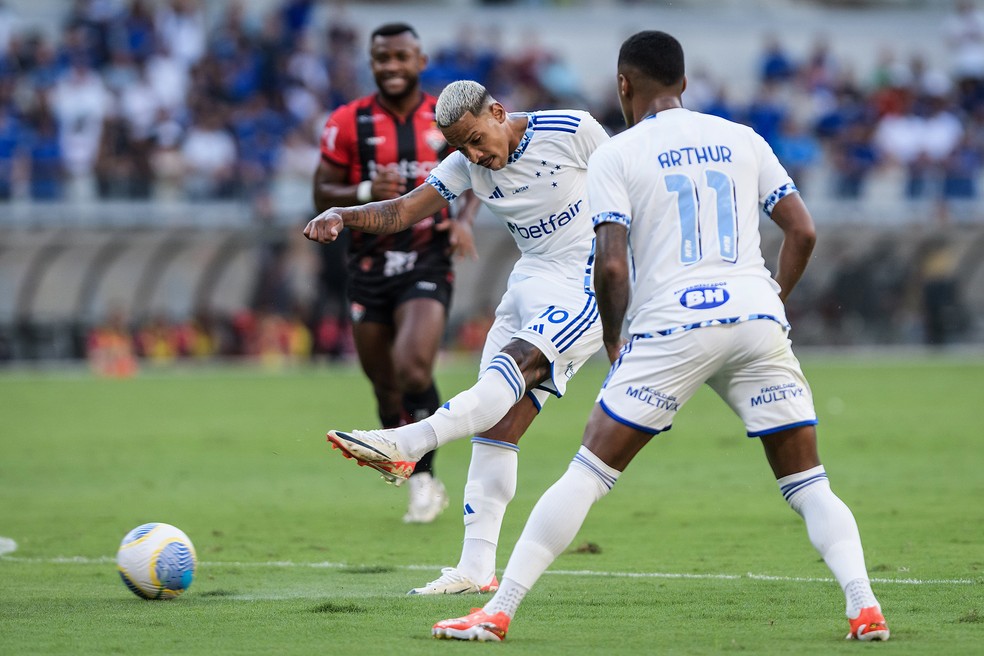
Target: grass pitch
301 552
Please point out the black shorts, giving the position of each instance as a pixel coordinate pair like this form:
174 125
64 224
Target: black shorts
376 301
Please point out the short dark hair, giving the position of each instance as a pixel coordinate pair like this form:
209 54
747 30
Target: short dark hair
655 54
392 29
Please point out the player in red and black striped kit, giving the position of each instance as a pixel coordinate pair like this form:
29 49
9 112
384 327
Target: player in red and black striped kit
399 286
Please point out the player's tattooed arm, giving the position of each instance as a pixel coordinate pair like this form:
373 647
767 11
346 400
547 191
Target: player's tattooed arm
381 217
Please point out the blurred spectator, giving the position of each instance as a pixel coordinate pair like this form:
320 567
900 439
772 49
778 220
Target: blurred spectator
157 340
139 105
899 138
296 158
305 81
295 15
463 59
195 338
90 20
44 152
775 65
181 29
110 349
39 59
166 161
798 150
260 131
943 312
820 70
80 102
208 153
719 105
964 33
119 72
962 169
11 144
123 164
853 158
767 112
8 29
134 31
169 79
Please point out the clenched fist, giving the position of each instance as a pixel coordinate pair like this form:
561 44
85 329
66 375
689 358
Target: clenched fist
325 227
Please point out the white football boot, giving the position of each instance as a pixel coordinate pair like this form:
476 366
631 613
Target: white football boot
428 499
453 581
374 449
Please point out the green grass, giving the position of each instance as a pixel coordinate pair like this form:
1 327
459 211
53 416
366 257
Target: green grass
302 552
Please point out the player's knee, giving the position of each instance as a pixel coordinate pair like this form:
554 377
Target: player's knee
413 376
530 360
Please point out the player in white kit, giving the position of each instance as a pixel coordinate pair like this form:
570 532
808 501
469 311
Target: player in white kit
676 201
530 169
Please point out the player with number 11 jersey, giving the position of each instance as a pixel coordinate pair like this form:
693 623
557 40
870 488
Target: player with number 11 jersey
703 263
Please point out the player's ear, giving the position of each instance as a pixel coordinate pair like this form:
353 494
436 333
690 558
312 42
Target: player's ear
498 112
624 87
683 85
423 60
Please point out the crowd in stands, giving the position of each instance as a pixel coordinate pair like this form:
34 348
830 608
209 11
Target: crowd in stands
115 348
139 99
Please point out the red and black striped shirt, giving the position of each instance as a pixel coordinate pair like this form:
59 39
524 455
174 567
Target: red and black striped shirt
364 137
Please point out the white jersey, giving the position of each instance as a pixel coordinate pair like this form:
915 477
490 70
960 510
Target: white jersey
541 193
689 187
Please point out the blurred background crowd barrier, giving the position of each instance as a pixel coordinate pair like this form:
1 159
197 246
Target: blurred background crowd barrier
156 158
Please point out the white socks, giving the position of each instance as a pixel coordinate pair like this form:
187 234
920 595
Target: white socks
833 532
491 486
552 526
507 599
473 411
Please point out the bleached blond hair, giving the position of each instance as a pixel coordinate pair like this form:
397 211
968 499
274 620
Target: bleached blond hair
459 98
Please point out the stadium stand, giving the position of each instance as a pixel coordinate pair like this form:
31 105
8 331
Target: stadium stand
156 155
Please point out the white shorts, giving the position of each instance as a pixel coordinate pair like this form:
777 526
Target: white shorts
557 317
750 365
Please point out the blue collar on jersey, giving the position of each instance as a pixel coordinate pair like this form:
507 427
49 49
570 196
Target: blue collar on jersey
523 143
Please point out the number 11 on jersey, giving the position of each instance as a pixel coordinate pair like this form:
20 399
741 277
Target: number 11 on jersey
688 207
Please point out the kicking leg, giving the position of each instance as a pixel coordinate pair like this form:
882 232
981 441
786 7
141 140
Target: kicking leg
518 367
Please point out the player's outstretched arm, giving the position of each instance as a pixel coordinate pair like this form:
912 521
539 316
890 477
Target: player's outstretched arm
799 237
381 218
611 280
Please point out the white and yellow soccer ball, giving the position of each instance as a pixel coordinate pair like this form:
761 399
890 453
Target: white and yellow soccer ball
156 561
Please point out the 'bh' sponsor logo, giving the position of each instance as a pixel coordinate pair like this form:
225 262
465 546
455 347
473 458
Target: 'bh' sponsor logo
703 298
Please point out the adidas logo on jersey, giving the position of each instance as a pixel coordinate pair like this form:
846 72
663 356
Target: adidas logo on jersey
496 193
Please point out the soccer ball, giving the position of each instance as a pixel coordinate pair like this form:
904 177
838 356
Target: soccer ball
156 561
